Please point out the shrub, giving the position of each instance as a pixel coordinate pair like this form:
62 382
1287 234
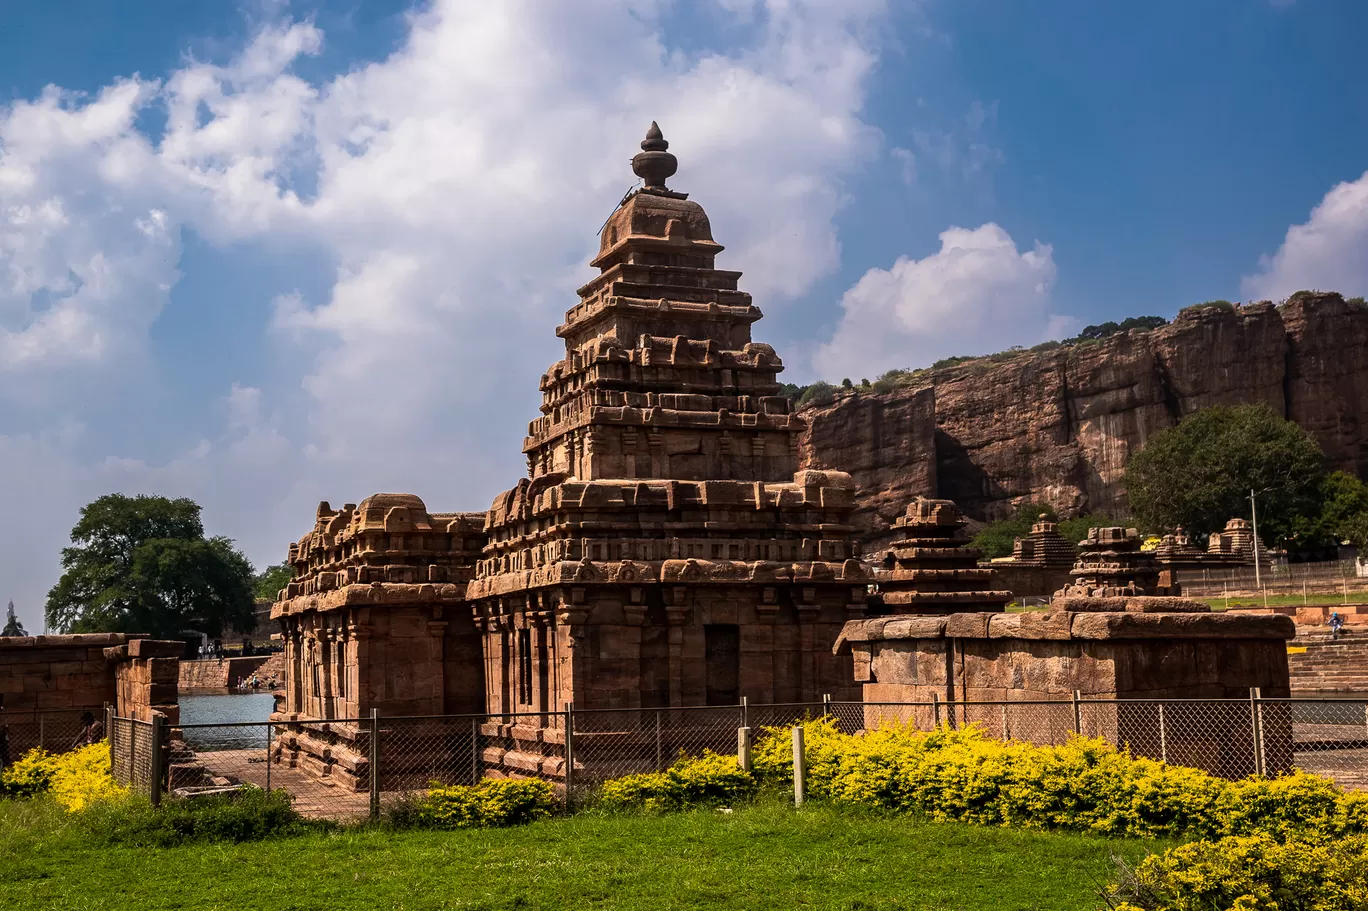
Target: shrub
1247 873
492 802
76 779
250 814
29 776
712 780
1083 785
818 393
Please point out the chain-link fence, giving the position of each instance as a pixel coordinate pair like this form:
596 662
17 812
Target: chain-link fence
53 730
354 768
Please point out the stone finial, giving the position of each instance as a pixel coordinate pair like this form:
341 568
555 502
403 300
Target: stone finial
653 164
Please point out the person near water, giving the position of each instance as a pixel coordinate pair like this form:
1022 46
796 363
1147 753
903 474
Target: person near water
1336 624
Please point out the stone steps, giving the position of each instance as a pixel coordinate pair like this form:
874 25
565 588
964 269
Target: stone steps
1329 665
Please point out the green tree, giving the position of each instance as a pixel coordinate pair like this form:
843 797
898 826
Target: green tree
12 625
996 538
142 564
1199 473
271 580
1343 513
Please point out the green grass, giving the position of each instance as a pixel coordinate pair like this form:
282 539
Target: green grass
765 856
1312 600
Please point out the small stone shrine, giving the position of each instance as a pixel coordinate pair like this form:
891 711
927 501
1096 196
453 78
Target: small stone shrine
1235 540
375 619
1044 546
1112 565
931 569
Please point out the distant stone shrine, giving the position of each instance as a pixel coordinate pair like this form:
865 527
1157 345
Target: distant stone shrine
931 569
1111 565
1039 564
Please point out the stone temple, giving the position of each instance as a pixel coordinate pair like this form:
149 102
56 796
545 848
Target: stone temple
663 550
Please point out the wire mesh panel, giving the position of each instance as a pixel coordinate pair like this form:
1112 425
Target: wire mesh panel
610 744
415 754
130 753
56 731
1330 738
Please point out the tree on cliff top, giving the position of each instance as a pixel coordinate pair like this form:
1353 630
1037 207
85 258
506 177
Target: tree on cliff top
12 625
1199 473
142 564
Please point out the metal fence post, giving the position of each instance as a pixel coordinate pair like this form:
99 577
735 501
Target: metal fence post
657 739
743 748
826 705
475 775
1006 731
1163 737
569 754
375 764
109 733
1078 712
745 712
935 710
270 730
157 760
1256 721
42 732
799 767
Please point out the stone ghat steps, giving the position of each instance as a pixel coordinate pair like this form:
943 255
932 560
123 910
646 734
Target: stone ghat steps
1327 664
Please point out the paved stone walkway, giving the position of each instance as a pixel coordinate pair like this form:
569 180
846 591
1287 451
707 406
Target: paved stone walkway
314 798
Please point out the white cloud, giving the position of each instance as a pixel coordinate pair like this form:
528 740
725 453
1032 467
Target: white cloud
1329 252
455 185
976 295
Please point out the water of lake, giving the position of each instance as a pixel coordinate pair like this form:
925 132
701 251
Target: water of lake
225 708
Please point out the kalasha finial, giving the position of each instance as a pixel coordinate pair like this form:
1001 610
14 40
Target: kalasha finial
653 164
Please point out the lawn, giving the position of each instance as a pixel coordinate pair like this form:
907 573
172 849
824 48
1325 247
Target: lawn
1310 600
765 856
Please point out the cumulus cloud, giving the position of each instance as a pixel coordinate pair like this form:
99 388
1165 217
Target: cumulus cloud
975 295
454 186
1328 252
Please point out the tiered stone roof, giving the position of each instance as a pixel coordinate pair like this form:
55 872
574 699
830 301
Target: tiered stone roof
389 538
1044 546
931 569
664 448
1236 540
1112 565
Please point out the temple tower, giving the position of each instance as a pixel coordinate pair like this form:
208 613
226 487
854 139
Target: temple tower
662 550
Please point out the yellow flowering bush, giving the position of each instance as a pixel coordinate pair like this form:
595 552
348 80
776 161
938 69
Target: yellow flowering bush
492 802
1085 784
708 781
1248 873
81 777
75 779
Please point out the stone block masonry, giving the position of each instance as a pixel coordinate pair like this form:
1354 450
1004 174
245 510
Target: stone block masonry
146 676
1106 648
43 673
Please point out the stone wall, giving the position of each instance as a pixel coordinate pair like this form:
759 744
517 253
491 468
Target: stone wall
1132 651
218 673
146 675
57 672
1059 426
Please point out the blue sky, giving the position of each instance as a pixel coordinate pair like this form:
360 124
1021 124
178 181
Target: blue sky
267 255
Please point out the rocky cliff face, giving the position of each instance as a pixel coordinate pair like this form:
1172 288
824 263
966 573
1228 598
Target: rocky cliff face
1059 426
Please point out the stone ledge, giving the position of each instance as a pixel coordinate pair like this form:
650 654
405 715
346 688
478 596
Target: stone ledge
374 594
1066 625
84 640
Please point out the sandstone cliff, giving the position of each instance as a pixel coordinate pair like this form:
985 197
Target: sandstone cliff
1059 426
